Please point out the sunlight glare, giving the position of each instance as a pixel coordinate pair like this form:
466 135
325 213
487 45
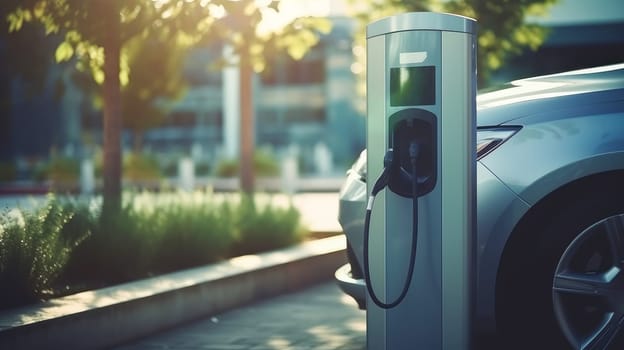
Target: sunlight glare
263 3
357 68
247 261
358 50
274 21
347 300
216 11
357 325
279 343
159 3
521 90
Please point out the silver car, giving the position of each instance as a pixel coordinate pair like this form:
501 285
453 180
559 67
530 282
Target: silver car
550 207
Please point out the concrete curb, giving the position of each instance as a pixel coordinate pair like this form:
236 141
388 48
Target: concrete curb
111 316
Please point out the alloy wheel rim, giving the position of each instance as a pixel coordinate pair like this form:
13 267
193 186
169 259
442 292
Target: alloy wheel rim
588 286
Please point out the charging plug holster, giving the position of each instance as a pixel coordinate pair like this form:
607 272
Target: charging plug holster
410 126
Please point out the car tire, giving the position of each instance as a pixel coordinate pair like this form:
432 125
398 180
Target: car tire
530 311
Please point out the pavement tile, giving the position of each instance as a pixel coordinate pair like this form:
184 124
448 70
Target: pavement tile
317 318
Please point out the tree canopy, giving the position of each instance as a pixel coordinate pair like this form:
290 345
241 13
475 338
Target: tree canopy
502 26
99 35
26 56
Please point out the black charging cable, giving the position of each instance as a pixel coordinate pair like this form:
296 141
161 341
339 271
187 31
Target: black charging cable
380 184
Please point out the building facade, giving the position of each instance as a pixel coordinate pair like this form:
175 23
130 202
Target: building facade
307 107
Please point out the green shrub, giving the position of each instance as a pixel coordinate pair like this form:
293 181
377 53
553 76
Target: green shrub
32 252
119 249
7 171
169 168
265 227
81 222
194 234
39 171
202 168
154 233
62 171
227 168
141 167
265 164
67 246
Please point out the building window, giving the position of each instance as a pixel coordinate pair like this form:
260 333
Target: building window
284 70
182 118
305 116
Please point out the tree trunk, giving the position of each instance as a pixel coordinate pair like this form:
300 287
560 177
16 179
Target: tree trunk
112 110
247 128
137 141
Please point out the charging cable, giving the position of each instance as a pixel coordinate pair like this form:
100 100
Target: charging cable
380 184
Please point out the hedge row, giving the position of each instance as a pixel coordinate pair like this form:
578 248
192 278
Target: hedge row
64 246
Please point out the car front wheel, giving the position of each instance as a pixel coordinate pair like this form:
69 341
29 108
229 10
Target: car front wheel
561 279
588 286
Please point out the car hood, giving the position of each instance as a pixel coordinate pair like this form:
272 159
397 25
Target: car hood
528 97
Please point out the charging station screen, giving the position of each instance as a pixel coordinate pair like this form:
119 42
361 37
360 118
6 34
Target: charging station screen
412 86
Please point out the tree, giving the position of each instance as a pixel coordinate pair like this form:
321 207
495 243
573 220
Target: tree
93 31
155 80
26 56
503 31
97 31
241 28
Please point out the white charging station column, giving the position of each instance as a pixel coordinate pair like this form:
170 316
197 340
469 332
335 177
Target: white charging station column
421 77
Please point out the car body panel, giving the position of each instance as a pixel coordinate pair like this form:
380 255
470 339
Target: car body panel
498 214
530 97
351 211
543 156
355 287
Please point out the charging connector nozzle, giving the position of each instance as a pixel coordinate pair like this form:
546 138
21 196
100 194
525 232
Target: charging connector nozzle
384 178
389 158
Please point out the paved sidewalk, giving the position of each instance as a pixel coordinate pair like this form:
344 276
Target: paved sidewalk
317 318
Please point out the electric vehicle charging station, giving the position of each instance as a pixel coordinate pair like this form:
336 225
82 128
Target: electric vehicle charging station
419 233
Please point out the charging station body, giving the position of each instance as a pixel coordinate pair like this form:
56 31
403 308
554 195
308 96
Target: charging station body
421 85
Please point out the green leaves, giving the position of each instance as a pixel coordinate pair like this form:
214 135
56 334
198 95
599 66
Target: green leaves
34 250
502 28
262 227
16 19
64 52
39 11
187 21
157 233
303 33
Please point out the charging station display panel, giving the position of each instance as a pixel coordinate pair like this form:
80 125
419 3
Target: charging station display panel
412 86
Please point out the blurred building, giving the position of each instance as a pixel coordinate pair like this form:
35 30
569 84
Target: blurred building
307 107
581 34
